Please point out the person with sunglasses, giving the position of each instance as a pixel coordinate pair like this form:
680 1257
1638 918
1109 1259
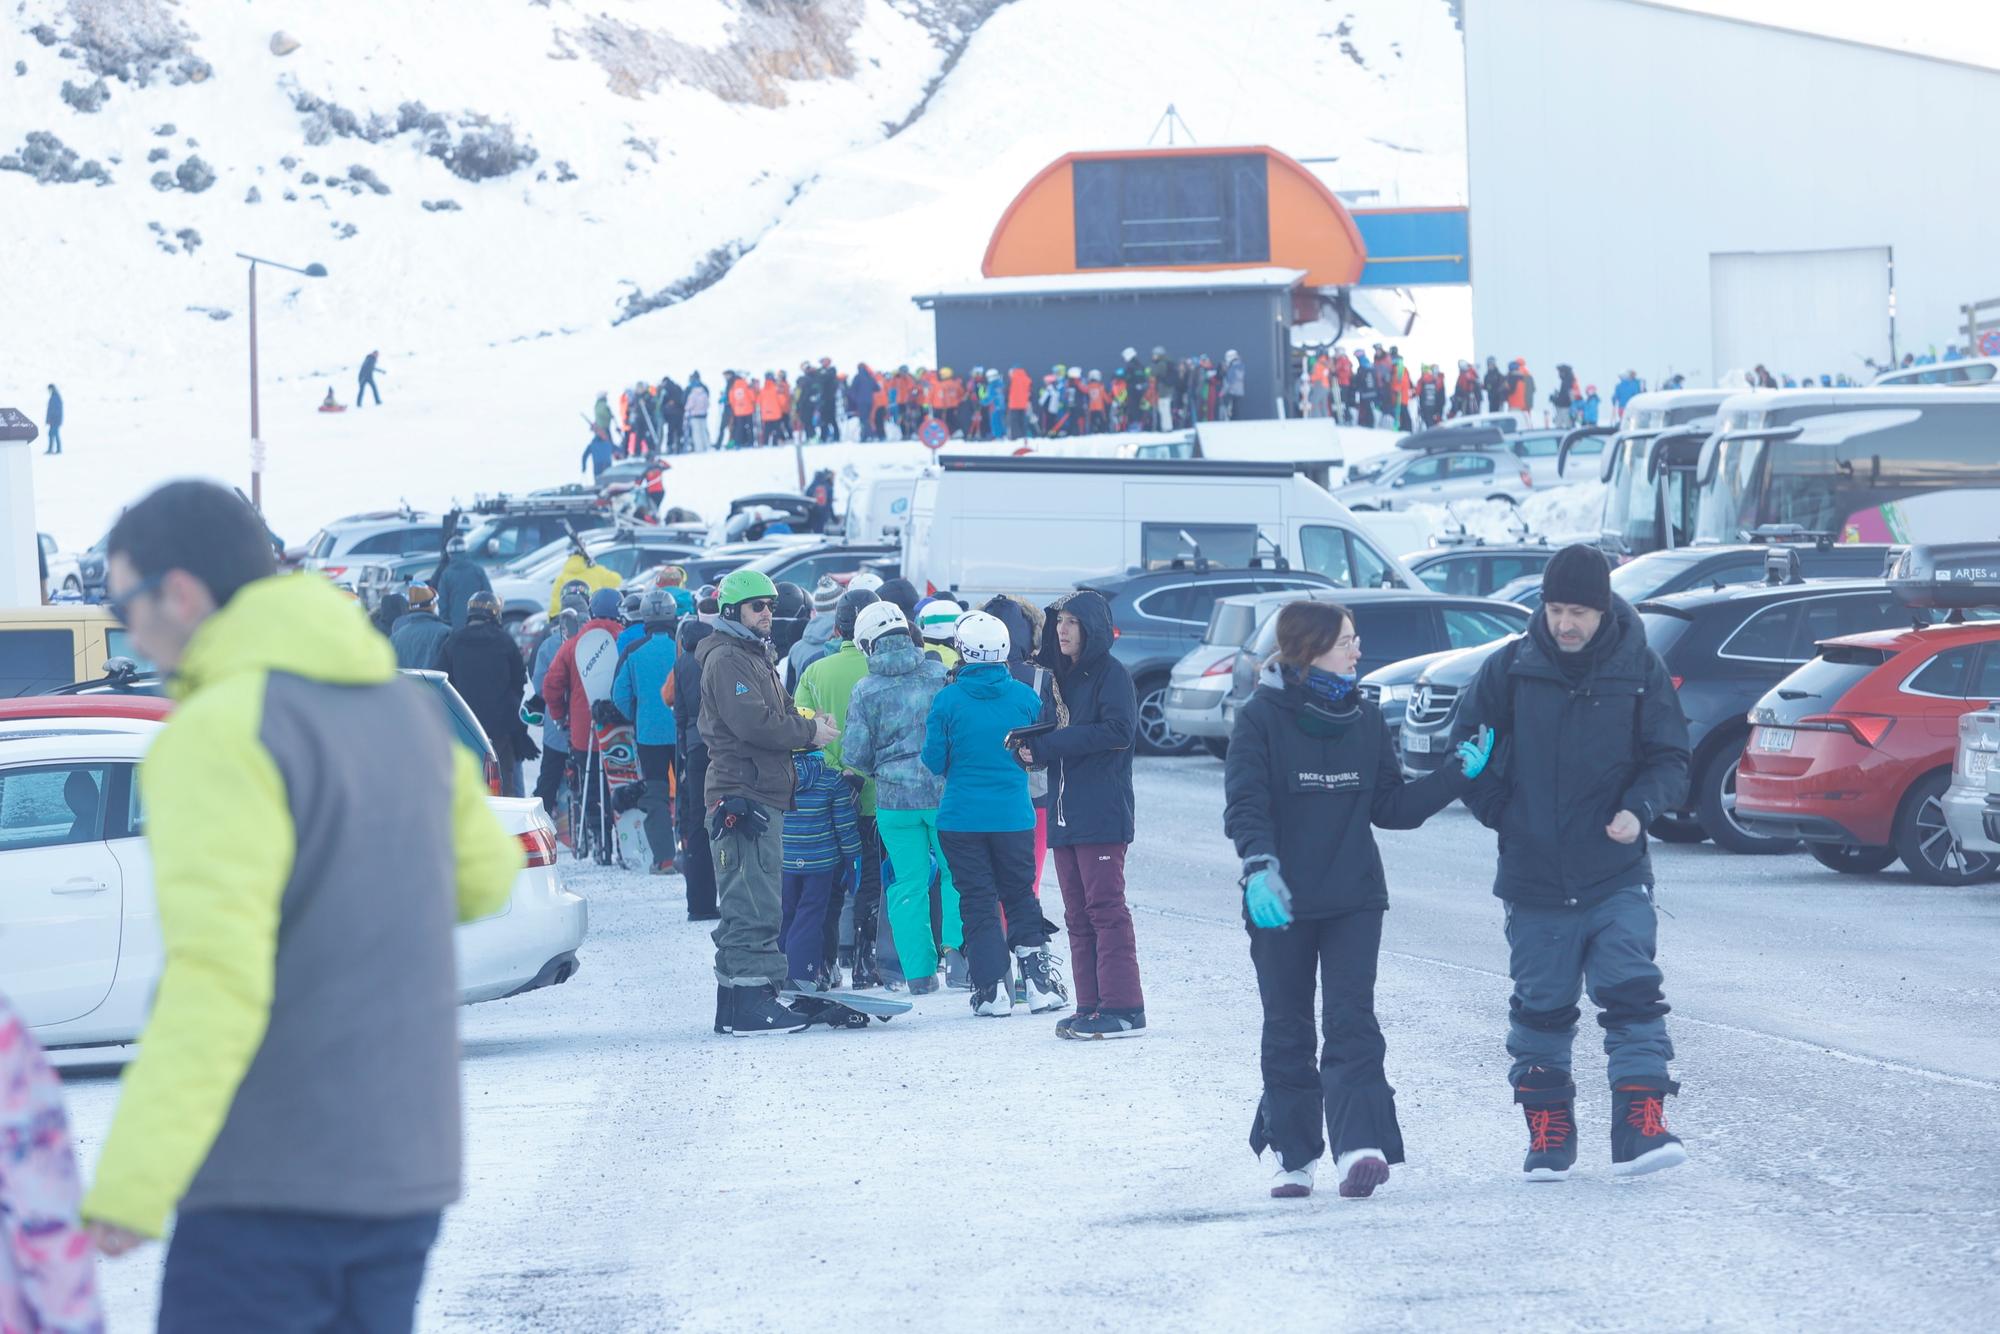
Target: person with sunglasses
751 729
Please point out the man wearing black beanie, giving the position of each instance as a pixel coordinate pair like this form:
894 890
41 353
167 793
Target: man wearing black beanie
1598 749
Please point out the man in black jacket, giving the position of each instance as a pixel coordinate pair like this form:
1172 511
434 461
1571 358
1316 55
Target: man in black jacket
1089 758
1599 748
485 667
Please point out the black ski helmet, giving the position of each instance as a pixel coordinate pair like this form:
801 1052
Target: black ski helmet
850 605
903 593
792 602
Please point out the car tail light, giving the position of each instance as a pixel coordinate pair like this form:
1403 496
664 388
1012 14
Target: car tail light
333 571
540 845
493 776
1115 632
1677 681
1867 728
1222 666
1527 478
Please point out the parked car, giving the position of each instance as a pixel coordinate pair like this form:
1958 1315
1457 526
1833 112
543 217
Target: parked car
803 563
1477 569
45 647
1162 615
64 576
1972 802
1430 717
1963 373
1450 463
402 532
1658 573
711 563
1854 751
504 528
1395 625
1725 648
1391 688
81 951
524 588
1525 591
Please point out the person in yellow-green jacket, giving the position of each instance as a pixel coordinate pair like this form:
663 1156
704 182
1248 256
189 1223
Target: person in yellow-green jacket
316 833
580 568
826 687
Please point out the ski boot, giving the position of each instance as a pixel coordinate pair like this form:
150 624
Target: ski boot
724 1011
1640 1140
995 1000
1039 981
1361 1171
664 868
956 976
755 1011
1290 1185
1548 1099
924 986
867 971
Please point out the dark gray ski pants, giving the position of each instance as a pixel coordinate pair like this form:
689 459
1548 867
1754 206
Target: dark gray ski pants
1554 952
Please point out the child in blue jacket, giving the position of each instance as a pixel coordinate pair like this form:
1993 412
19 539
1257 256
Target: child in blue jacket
822 840
986 821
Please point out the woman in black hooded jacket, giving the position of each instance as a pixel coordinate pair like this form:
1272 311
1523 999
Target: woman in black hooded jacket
1310 771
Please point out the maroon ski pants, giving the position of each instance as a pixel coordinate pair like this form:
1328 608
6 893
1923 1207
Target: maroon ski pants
1103 955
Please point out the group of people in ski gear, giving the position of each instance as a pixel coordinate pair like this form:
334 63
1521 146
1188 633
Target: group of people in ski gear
316 833
1573 742
926 762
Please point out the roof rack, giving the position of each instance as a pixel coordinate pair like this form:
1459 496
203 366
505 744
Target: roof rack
1789 534
1947 576
1781 566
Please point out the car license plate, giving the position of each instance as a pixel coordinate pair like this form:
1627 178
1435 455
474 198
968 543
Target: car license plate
1418 743
1774 738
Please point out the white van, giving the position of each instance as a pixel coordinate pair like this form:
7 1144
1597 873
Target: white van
1034 526
878 503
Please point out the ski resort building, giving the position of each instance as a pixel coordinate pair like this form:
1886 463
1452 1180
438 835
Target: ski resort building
1198 250
1666 190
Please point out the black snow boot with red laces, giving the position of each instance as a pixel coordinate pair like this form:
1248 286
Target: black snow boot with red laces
1640 1140
1548 1098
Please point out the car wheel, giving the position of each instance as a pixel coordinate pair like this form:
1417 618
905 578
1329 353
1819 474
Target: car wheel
1715 806
1926 844
1848 859
1156 735
1674 827
1217 746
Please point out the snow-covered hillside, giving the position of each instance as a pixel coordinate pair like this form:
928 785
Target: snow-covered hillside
622 151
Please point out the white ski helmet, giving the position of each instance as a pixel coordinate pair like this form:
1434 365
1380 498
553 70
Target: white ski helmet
981 637
876 620
1128 354
867 580
1230 355
939 618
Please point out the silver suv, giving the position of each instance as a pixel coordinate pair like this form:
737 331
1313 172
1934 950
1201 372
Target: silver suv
1479 465
381 534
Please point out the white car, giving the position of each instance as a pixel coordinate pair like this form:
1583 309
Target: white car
64 574
1972 802
80 952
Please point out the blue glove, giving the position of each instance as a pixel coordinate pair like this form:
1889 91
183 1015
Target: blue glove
1475 751
1268 899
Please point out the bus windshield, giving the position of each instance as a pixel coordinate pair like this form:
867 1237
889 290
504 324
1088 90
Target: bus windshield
1628 495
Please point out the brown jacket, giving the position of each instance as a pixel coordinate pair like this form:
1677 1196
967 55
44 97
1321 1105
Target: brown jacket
747 721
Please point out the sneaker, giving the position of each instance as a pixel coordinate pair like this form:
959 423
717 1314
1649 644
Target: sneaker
1361 1171
1040 985
1548 1099
664 868
994 1000
956 975
924 986
1640 1140
1293 1185
755 1011
1110 1024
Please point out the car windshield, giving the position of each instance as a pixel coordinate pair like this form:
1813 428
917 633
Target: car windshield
1663 630
1230 623
318 547
1637 580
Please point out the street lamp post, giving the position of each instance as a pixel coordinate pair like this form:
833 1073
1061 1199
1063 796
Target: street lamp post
256 438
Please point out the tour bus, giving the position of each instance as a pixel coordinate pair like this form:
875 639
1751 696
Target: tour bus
1648 502
1864 465
1035 525
1967 372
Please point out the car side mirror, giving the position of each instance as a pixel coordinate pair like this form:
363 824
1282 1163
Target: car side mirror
492 546
1398 482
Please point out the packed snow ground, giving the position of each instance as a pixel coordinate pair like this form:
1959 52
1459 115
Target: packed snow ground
626 1170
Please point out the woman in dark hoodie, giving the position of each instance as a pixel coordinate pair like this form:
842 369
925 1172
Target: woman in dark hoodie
1089 759
1310 771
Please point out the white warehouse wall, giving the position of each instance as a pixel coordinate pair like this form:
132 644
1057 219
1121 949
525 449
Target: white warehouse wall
1613 146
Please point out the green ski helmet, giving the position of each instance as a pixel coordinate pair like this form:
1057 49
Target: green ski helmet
742 585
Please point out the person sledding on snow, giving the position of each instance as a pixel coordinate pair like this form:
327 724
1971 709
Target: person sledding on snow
822 846
1311 770
1600 749
330 403
751 729
986 821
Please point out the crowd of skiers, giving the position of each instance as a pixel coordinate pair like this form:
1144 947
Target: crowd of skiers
858 768
1162 393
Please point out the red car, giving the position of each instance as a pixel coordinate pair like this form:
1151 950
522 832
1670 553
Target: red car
1853 751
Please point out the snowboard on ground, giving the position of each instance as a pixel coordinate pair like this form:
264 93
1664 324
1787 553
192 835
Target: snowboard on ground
848 1009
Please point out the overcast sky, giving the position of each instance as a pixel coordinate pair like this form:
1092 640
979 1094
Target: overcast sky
1958 29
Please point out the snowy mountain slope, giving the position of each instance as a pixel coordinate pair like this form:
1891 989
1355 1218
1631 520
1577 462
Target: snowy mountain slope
495 321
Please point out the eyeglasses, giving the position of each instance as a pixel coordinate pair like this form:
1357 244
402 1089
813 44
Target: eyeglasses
121 607
759 604
1347 642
